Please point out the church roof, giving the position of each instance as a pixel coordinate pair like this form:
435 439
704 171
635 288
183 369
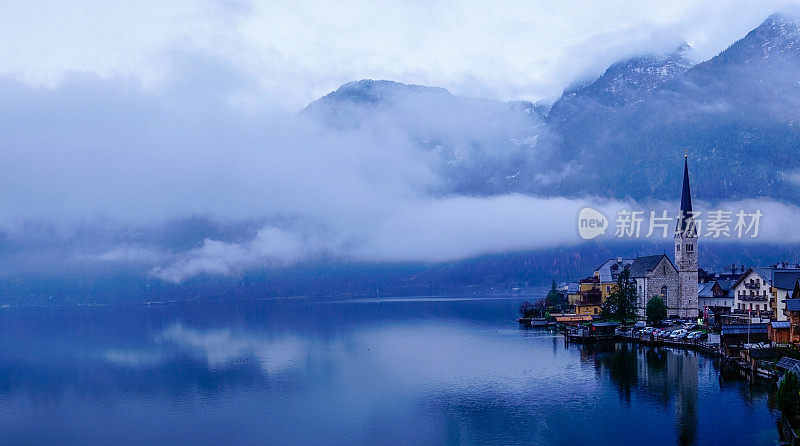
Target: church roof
642 265
686 204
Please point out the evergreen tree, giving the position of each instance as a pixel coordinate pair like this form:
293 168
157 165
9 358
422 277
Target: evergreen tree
621 304
656 309
553 298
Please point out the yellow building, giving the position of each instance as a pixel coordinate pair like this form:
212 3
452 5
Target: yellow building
607 274
592 292
589 309
573 293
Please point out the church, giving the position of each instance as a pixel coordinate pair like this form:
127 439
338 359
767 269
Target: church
657 275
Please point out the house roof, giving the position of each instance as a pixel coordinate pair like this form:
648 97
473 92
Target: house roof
763 272
789 364
792 304
574 318
785 280
642 265
609 270
738 329
726 285
704 289
779 324
758 353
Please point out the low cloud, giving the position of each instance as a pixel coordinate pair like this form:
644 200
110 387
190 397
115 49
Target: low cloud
270 247
451 228
418 230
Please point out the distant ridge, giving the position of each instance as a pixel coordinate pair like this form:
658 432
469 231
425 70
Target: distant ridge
737 114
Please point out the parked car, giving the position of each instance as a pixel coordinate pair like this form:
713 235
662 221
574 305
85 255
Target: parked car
676 333
684 335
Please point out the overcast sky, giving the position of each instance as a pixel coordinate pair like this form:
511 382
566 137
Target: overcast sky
297 51
127 115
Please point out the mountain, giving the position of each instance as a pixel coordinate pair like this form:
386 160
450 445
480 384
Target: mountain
736 115
349 104
760 72
482 145
624 82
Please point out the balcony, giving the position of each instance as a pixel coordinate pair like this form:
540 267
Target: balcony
749 298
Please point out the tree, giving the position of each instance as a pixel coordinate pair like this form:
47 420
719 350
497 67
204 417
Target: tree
553 298
656 309
621 304
528 310
788 398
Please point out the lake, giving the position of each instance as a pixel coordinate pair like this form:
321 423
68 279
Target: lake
367 371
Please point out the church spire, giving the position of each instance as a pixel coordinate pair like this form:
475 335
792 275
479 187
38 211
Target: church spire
685 218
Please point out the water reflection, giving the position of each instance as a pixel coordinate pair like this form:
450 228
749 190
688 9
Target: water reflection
308 372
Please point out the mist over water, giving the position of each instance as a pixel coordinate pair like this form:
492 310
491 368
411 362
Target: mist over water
371 371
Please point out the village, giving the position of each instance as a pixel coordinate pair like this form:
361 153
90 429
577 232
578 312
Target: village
747 316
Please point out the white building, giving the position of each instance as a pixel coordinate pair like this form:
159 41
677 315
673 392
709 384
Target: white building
753 291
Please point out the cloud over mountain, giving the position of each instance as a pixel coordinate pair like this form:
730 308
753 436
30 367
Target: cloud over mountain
197 176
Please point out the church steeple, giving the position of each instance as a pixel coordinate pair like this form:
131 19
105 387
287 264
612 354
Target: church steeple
686 252
685 219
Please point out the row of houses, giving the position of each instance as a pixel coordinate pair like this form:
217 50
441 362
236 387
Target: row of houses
687 290
760 292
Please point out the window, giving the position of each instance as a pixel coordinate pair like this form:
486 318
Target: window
689 247
678 247
664 293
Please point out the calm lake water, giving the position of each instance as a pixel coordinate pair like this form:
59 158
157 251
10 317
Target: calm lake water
305 371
